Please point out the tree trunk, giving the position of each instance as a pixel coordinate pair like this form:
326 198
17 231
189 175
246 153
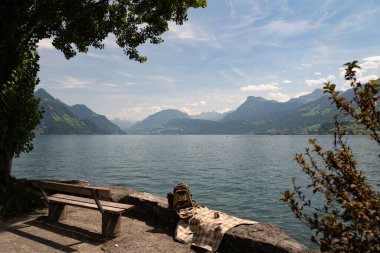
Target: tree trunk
6 158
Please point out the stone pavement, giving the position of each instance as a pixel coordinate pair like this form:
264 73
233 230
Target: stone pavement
80 232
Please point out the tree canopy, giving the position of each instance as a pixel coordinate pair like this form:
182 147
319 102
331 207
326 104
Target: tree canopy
73 26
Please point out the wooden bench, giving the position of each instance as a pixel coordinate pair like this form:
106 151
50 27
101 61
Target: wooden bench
85 197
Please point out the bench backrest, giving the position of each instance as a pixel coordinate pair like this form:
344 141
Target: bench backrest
102 192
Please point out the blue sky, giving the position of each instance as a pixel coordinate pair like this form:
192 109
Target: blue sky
228 51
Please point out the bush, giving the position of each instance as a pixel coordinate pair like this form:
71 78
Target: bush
349 218
16 198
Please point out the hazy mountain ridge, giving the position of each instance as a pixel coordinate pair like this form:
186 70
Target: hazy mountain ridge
100 121
60 118
123 124
157 121
199 126
215 116
308 114
256 109
316 94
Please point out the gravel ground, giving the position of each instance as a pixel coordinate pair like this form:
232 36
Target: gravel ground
80 233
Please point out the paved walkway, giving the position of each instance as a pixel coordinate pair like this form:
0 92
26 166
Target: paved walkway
80 233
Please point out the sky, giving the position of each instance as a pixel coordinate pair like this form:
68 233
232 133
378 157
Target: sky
224 53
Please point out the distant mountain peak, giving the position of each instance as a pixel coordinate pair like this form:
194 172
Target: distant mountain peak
318 91
42 93
254 101
59 118
158 120
83 111
254 98
81 106
258 109
172 113
208 116
316 94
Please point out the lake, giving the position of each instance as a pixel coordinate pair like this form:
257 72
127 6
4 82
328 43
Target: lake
241 175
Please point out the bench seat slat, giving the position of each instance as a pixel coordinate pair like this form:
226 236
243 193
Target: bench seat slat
86 205
103 192
91 201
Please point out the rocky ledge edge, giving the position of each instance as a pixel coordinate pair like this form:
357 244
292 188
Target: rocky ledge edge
258 238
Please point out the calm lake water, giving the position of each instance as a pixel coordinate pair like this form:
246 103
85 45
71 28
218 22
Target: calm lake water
241 175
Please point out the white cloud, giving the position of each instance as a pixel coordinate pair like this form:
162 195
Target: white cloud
320 81
111 85
238 72
370 65
282 28
353 22
187 31
330 78
200 103
372 58
140 112
300 94
345 86
190 111
366 79
359 72
232 8
304 66
342 72
315 82
108 57
278 96
260 87
224 110
110 42
192 33
72 83
317 73
46 44
372 62
286 81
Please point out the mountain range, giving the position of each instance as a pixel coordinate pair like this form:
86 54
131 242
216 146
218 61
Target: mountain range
308 114
215 116
60 118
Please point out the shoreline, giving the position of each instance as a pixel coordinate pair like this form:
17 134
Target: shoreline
149 227
152 209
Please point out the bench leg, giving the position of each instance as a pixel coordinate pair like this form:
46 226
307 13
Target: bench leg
111 224
57 212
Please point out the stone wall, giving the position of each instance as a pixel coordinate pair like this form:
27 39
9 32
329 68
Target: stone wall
258 238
